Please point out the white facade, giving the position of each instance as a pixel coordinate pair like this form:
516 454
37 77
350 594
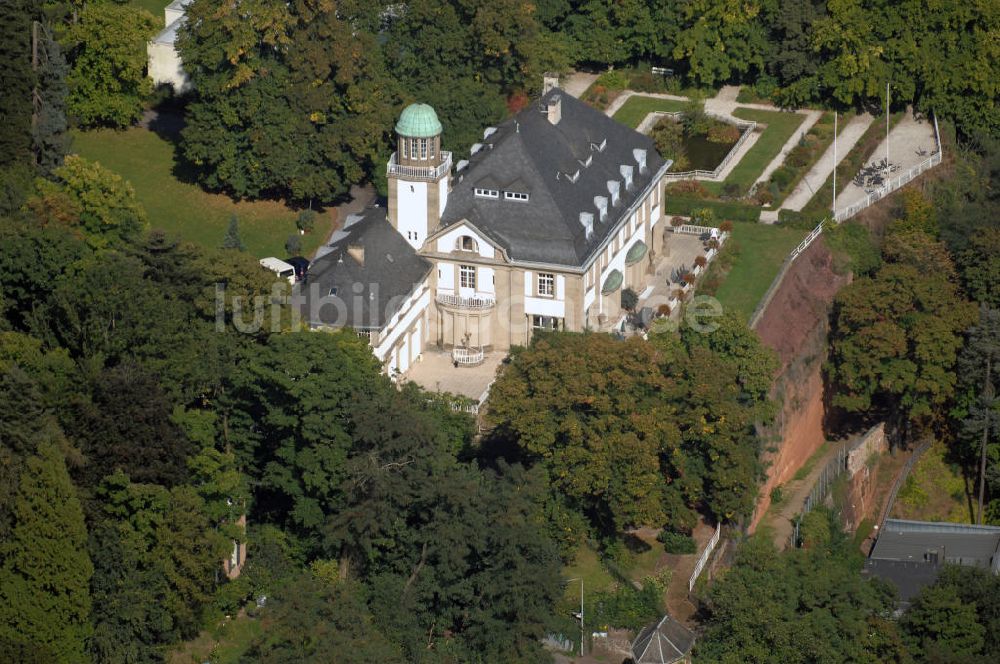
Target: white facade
164 62
411 215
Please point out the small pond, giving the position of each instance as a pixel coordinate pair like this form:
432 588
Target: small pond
703 154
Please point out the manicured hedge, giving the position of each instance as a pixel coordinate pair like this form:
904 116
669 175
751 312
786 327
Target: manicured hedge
723 209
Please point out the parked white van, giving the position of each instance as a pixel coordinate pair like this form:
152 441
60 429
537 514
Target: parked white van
279 267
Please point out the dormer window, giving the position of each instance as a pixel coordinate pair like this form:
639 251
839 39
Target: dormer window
613 189
601 202
586 163
514 196
487 193
587 221
467 243
626 172
573 178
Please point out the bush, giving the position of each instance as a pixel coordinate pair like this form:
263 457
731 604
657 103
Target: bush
782 177
630 299
703 217
777 495
677 543
306 220
701 261
689 188
723 132
293 245
726 226
614 79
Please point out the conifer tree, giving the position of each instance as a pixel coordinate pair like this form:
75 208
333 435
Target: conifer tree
51 142
45 573
16 80
232 239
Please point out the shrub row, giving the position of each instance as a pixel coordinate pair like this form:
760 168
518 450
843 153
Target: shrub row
723 209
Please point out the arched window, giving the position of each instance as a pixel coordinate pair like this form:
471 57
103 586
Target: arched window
467 243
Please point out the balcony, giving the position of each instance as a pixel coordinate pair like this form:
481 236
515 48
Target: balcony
476 302
468 357
428 173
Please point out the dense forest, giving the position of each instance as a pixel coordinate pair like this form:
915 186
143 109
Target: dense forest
297 99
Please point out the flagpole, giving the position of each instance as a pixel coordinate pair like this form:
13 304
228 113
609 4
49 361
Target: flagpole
886 126
833 207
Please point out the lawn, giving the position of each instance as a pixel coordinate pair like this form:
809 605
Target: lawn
147 161
761 249
780 127
635 110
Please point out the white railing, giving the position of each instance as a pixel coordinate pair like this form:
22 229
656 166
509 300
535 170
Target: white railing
474 302
468 357
746 126
419 172
758 313
703 559
889 187
691 229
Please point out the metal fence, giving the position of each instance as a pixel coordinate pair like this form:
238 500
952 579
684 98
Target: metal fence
703 559
895 183
889 187
833 469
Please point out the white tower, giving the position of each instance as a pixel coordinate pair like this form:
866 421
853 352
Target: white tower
419 174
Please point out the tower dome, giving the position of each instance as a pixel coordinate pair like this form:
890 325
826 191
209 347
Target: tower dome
418 121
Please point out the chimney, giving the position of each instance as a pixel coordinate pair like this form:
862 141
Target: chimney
554 109
357 252
550 80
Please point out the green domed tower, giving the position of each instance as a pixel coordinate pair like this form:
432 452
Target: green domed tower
418 173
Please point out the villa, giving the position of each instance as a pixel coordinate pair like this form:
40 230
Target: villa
555 212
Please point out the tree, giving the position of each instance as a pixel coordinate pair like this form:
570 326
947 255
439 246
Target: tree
630 299
17 81
896 335
50 137
309 619
592 411
100 201
107 49
940 627
291 99
799 606
233 239
720 40
979 377
45 571
127 426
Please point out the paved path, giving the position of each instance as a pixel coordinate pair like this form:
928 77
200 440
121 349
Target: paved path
620 100
911 141
577 83
822 169
780 519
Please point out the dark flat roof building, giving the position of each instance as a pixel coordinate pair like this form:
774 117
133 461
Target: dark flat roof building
910 554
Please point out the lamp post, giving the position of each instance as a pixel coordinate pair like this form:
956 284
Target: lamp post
580 579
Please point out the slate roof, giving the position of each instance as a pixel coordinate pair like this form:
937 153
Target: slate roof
390 272
664 642
529 151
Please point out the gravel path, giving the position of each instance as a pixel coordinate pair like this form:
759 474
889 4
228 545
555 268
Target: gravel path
577 83
821 170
